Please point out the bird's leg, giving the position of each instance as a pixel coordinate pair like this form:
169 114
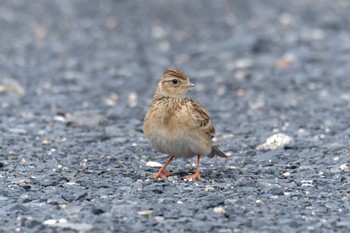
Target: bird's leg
196 175
161 173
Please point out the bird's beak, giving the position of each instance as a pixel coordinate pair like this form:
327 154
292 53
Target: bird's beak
188 85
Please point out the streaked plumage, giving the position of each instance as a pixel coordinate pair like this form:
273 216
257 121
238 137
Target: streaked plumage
177 125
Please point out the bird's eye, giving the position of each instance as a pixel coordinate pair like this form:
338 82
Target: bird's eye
174 81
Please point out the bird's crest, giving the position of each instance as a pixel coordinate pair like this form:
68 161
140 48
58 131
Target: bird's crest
172 72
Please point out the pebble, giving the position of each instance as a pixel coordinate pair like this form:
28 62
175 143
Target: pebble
259 202
159 219
286 174
87 119
276 141
63 223
132 99
344 167
145 212
9 85
219 210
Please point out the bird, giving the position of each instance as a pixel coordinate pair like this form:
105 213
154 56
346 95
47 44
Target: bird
177 125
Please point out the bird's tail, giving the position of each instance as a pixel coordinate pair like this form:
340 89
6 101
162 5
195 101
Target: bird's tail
216 151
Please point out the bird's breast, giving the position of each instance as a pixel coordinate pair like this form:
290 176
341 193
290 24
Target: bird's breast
178 142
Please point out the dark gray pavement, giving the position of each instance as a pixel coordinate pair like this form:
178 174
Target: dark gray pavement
76 78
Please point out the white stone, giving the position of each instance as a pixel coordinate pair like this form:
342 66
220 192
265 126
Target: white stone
219 210
275 142
153 164
286 174
63 223
145 212
344 167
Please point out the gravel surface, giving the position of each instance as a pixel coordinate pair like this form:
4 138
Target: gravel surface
76 78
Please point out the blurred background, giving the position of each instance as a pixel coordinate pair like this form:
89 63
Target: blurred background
268 62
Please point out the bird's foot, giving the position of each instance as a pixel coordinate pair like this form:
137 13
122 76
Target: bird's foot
195 176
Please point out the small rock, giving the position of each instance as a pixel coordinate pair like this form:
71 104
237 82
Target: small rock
45 142
276 141
159 219
153 164
307 183
173 178
230 201
63 223
267 186
145 212
344 167
89 119
132 99
243 63
219 210
208 188
11 85
259 202
112 100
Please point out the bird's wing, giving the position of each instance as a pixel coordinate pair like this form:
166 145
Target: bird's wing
202 119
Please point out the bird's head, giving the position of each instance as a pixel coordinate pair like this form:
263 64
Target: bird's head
173 83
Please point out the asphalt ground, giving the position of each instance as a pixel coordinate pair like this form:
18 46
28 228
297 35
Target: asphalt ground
77 77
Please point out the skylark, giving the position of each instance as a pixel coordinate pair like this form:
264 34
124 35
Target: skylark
179 126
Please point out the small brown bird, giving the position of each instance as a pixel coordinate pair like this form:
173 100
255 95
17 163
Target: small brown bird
179 126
